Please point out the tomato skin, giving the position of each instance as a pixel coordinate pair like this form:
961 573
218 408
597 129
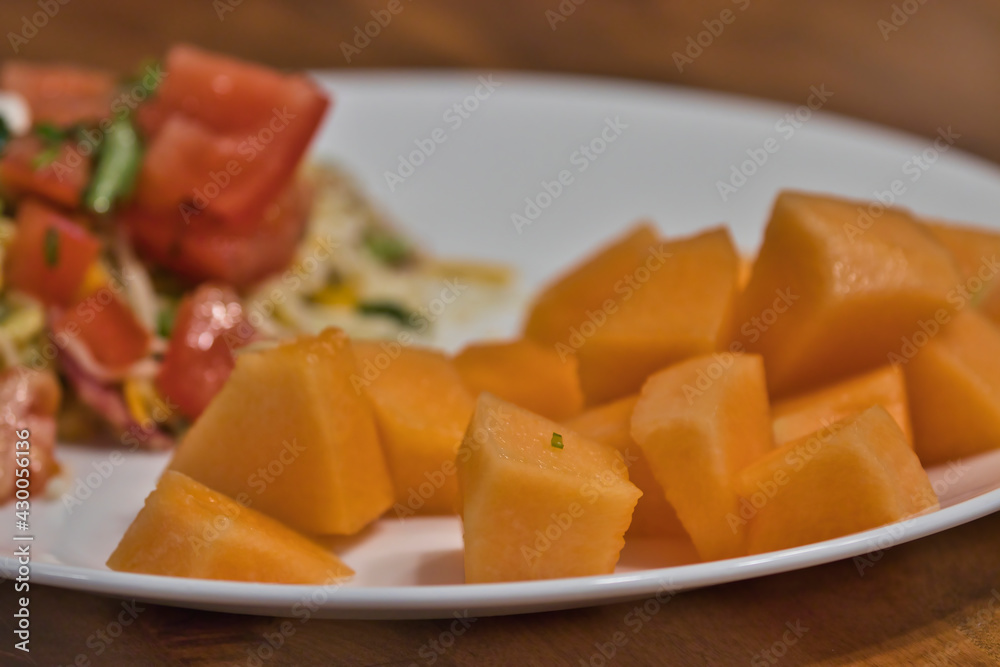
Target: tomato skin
200 250
62 181
28 267
256 124
61 94
107 327
209 326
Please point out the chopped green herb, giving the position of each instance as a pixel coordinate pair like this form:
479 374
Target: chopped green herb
557 441
165 320
387 309
50 133
387 247
45 157
4 134
51 246
116 169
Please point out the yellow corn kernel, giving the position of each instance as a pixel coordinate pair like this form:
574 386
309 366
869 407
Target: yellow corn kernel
137 394
336 295
95 278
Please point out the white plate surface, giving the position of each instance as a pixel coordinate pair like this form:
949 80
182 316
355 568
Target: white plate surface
671 148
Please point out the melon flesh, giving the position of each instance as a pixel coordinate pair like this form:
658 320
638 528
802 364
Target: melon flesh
953 384
611 424
534 511
422 408
290 431
835 290
638 306
858 474
699 423
524 373
801 415
187 530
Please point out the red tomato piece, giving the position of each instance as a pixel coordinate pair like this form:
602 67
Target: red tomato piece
257 124
208 328
107 327
61 180
200 250
61 94
50 254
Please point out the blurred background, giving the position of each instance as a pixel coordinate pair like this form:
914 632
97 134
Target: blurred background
913 64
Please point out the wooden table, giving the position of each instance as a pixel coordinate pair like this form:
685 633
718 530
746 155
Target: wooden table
935 601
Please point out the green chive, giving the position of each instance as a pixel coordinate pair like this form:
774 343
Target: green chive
4 134
116 169
557 441
45 157
50 133
165 321
51 246
387 309
387 248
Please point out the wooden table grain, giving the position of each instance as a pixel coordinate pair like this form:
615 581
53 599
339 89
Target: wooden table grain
913 64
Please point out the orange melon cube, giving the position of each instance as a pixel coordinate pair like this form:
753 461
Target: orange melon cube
699 423
855 475
836 288
524 373
953 383
611 424
187 530
538 500
639 306
291 432
977 255
801 415
421 408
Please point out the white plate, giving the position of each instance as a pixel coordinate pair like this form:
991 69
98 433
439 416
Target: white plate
672 148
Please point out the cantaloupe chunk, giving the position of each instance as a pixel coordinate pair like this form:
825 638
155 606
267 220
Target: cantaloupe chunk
422 408
835 289
524 373
187 530
977 254
858 474
611 424
953 383
537 506
290 431
699 423
801 415
638 306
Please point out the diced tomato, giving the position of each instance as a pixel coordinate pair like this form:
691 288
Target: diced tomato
209 326
107 327
61 94
199 249
50 254
61 180
256 125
